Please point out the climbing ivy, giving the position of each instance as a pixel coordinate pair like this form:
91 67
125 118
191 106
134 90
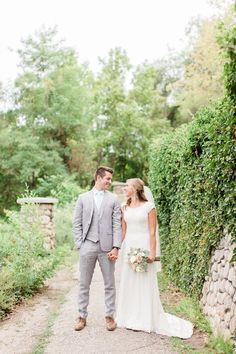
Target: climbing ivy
227 41
192 177
192 174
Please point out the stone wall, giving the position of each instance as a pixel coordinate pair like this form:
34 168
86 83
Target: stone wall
219 291
39 210
118 189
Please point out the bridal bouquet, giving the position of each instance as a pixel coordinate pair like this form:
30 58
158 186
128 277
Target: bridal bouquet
138 259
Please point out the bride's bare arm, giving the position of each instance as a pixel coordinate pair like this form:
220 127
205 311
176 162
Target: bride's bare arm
123 225
152 223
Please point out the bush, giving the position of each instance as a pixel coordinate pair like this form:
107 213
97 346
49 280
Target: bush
63 187
192 177
24 263
63 224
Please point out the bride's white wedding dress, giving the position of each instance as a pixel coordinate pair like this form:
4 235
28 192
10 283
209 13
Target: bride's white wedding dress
139 304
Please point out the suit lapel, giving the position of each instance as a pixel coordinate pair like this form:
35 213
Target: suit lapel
91 203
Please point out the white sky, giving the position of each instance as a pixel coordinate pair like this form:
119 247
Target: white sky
145 28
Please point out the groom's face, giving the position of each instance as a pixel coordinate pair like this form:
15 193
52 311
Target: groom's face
105 181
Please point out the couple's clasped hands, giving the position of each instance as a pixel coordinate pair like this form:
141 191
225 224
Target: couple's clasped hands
113 254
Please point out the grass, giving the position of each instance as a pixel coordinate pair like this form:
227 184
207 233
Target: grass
39 348
205 342
43 341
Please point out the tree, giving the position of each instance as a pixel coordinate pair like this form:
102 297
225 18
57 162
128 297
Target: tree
150 92
45 123
23 161
54 96
202 81
125 120
203 70
109 96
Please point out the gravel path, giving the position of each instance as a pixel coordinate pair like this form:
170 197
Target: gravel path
57 304
23 329
95 338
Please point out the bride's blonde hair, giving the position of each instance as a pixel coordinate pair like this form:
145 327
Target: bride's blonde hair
138 185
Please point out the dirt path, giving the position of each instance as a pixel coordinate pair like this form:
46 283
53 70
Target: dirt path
47 324
24 328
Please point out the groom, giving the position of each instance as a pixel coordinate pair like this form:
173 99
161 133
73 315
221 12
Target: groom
97 233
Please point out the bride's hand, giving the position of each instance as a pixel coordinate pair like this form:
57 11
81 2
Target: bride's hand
151 259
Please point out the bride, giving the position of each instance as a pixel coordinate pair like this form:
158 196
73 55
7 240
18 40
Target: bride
139 304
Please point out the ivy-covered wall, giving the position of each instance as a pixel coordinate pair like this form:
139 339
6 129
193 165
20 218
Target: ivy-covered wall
192 175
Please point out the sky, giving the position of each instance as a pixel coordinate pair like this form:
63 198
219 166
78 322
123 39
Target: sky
144 28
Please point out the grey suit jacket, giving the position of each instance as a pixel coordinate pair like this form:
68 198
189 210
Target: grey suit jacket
110 220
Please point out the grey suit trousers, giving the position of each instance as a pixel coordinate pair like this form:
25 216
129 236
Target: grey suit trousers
90 253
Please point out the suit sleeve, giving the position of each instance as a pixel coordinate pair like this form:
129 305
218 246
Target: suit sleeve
78 223
116 224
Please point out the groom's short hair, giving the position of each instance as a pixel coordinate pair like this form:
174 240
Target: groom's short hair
101 171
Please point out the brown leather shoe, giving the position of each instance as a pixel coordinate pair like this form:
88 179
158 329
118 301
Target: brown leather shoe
80 324
110 323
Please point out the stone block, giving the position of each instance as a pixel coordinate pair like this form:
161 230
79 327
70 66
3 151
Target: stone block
216 287
219 254
228 302
234 282
48 212
216 321
232 326
220 310
226 270
214 267
222 286
229 288
212 300
211 286
221 297
215 276
205 288
232 274
227 318
227 255
45 219
222 263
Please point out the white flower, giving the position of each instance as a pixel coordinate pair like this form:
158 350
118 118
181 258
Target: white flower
137 258
139 269
132 259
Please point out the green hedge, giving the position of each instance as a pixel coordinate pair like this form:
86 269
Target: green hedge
192 177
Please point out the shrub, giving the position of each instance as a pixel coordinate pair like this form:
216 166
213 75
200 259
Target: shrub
192 177
63 224
63 187
24 263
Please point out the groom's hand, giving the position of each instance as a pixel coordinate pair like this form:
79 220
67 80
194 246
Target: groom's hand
113 254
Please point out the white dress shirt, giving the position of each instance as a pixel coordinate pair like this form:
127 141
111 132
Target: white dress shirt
98 197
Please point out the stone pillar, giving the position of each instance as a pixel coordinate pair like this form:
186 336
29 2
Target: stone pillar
40 210
118 189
